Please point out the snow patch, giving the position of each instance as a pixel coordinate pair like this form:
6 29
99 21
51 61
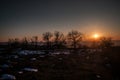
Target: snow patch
31 69
33 59
8 77
5 66
27 52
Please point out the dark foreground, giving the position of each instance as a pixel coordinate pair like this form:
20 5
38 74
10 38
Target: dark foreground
85 65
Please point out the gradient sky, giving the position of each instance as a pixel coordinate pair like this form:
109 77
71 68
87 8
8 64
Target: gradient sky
20 18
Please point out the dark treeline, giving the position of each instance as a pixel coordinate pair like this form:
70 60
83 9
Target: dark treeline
57 40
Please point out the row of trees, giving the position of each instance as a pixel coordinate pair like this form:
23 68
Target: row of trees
58 40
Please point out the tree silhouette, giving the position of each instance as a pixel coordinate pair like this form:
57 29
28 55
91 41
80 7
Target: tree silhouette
10 41
35 40
59 39
47 37
75 38
105 42
25 42
14 43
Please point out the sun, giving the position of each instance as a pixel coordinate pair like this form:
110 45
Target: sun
96 36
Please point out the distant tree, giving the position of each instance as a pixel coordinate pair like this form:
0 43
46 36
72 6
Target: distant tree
106 42
75 38
32 41
25 42
14 43
47 38
95 44
10 41
35 40
59 39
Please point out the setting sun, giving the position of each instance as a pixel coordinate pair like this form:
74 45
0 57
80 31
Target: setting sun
95 36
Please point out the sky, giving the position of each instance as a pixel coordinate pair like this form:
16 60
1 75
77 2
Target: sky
27 18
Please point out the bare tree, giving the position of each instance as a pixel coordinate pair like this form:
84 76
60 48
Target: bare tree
15 43
47 37
10 42
25 42
35 40
59 39
75 38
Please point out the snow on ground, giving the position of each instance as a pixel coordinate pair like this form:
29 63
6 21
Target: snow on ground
13 56
30 69
27 52
33 59
20 72
59 52
7 77
4 66
98 76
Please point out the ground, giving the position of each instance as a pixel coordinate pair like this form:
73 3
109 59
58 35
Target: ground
86 65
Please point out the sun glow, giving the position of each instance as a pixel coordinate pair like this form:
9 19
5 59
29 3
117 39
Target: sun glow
96 36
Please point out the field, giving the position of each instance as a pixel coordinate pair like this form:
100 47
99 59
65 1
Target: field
88 64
